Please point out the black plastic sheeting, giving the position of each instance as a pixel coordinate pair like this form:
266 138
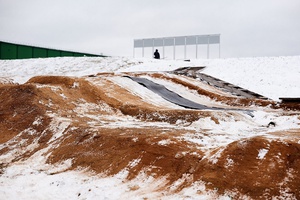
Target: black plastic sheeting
176 98
168 95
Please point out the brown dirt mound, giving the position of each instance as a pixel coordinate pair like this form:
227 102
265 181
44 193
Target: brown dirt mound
22 120
116 97
113 150
170 116
76 88
18 110
240 168
27 112
129 104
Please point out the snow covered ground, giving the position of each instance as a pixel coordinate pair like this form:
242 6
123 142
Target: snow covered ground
273 77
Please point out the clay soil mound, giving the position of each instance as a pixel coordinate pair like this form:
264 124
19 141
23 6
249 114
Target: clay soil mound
104 128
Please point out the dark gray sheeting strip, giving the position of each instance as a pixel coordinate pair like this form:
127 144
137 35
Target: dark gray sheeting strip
176 98
169 95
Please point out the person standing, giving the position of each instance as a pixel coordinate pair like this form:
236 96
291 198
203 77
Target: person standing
156 54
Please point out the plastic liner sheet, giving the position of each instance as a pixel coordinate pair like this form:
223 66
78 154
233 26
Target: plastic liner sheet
170 95
176 98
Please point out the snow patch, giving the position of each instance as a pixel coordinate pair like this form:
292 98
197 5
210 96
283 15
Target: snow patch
58 127
134 163
164 142
262 153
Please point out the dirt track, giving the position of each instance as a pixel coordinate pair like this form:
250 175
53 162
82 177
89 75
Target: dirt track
106 128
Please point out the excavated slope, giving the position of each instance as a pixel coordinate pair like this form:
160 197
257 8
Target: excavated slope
106 128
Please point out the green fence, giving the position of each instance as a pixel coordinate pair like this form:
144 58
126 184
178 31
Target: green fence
18 51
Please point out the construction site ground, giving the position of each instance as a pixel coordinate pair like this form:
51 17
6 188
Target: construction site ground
107 123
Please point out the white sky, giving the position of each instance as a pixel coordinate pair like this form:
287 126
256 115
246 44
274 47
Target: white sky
247 28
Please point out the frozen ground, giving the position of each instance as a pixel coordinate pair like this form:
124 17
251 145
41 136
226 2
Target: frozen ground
33 177
273 77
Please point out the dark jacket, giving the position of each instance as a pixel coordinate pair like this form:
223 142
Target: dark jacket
156 54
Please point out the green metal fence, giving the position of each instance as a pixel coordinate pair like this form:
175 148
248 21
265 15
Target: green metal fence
18 51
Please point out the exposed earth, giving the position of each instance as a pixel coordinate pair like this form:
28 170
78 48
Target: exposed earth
107 123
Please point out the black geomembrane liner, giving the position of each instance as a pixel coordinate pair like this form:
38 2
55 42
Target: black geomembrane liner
170 95
176 98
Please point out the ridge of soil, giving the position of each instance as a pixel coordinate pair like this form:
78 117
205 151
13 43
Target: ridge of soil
71 118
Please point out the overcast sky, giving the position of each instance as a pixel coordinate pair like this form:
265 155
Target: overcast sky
248 27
